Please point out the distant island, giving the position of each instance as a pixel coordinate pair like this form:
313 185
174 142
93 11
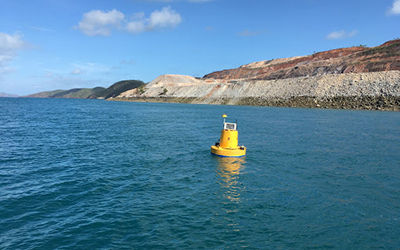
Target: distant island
7 95
347 78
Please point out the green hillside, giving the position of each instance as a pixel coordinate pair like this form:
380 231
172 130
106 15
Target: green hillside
94 93
119 87
75 93
46 94
79 93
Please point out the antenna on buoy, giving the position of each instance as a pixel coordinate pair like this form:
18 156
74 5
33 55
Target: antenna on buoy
224 116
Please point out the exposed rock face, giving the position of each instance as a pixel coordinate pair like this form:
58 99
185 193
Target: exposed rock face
376 90
156 87
357 78
174 80
338 61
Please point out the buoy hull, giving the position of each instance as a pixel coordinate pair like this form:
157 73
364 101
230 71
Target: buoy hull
228 152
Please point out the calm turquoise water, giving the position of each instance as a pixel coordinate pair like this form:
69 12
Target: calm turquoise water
93 174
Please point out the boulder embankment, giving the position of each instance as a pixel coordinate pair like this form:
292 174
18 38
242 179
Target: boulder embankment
372 91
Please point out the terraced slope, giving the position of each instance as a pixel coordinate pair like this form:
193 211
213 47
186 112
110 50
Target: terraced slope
385 57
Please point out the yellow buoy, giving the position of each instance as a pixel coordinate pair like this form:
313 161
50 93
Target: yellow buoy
228 143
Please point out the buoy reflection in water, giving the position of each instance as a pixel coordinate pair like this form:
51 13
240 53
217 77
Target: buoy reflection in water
229 170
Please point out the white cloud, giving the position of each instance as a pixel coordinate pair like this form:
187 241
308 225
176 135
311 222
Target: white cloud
164 18
97 22
136 26
9 46
341 34
10 42
159 19
395 9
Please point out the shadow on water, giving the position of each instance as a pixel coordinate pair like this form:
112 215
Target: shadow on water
229 171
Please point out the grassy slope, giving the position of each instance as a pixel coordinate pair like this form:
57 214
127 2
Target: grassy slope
98 92
46 94
121 86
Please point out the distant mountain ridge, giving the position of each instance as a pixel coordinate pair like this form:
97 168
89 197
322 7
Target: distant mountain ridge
2 94
79 93
91 93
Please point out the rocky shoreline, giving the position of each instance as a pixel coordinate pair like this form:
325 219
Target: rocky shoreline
366 91
383 103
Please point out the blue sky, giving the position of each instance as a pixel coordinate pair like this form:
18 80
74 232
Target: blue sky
63 44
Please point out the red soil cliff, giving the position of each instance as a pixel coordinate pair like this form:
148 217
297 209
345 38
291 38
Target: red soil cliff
338 61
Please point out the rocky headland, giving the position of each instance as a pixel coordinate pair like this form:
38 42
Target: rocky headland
347 78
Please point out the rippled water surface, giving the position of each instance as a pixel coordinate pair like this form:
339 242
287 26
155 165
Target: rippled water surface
95 174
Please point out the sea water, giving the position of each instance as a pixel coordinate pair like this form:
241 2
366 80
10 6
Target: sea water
94 174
